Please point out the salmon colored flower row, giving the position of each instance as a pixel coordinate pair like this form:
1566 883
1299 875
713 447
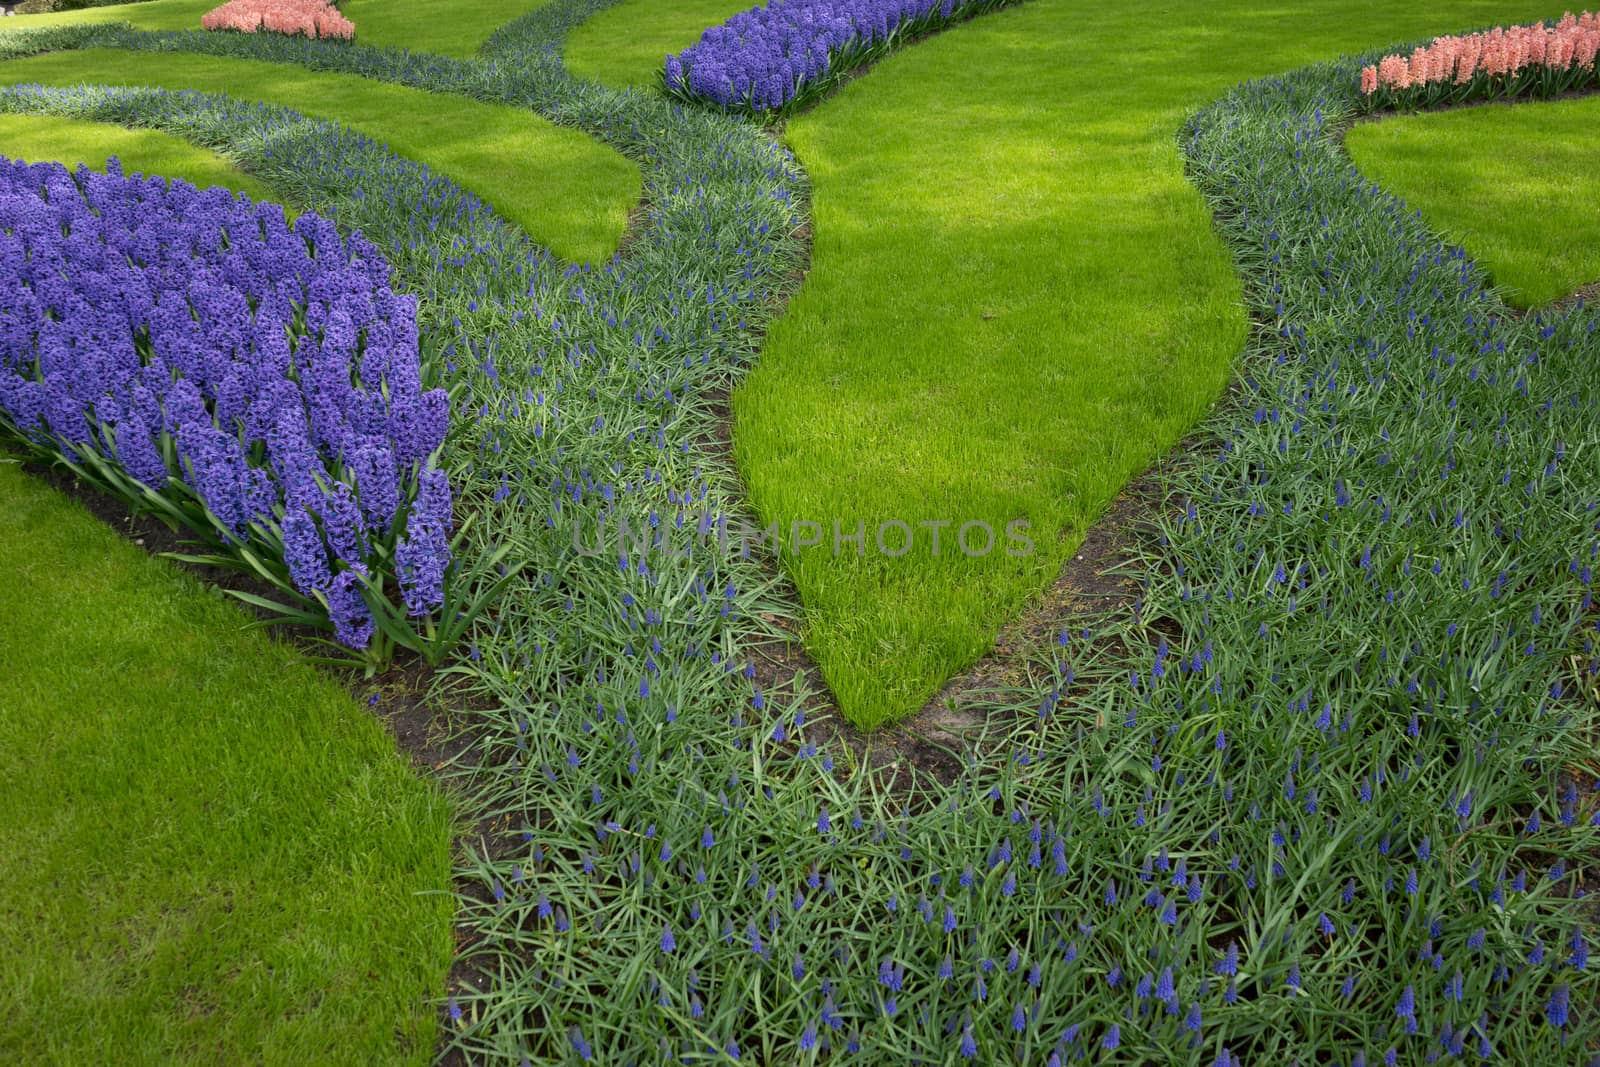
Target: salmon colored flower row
1568 46
313 18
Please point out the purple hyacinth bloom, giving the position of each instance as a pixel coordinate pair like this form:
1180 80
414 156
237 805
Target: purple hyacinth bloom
428 427
303 551
137 452
341 523
217 467
347 607
422 556
377 485
761 58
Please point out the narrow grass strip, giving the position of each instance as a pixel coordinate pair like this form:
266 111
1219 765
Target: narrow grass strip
1515 184
210 853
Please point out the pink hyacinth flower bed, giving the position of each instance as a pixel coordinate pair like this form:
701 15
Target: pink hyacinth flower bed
1540 59
313 18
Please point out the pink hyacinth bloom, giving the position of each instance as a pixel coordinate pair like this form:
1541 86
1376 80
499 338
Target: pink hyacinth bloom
313 18
1572 44
1418 66
1392 73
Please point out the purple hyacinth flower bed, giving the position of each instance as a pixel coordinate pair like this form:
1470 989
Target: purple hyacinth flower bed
782 57
251 380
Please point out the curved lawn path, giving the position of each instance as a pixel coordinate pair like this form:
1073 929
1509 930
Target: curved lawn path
1015 303
1516 185
568 192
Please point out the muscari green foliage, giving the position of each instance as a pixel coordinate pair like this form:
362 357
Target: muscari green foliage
1515 184
211 853
1015 303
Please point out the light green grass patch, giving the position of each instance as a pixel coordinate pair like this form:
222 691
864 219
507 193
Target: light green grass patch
47 138
628 44
449 27
1015 302
210 853
1518 186
568 191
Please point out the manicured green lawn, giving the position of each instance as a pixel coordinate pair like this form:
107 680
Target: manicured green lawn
451 27
628 43
1516 186
210 853
44 139
568 191
1016 302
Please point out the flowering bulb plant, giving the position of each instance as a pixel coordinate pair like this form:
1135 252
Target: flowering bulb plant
254 382
1539 60
789 53
310 18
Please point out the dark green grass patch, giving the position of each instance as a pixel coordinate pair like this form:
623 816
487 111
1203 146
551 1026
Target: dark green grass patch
446 27
210 853
1516 185
568 192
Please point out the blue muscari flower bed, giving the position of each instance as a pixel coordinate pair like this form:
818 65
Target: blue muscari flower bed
254 380
788 53
1314 803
